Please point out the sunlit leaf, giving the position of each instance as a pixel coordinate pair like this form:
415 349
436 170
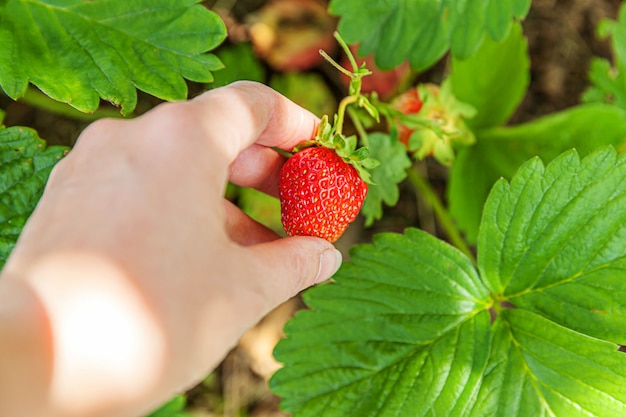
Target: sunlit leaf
538 368
500 151
404 331
80 51
553 241
411 327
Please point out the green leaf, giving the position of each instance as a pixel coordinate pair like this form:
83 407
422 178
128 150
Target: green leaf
25 163
500 151
466 38
494 80
240 63
538 368
405 327
78 52
173 408
609 82
386 338
553 241
499 18
520 8
386 176
551 251
360 154
421 31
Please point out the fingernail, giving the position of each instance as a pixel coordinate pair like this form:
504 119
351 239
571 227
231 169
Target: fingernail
330 261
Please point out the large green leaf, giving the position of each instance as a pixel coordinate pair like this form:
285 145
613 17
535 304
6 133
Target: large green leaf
551 250
386 176
421 31
494 80
538 368
25 163
553 241
80 51
404 331
500 151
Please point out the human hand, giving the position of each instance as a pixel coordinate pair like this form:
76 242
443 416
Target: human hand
134 277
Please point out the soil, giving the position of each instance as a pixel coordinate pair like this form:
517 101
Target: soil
562 41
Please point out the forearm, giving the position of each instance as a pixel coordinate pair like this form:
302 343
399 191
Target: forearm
76 343
25 350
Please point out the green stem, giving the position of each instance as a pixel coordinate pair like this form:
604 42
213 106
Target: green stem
282 152
426 191
347 51
37 99
360 129
341 112
334 63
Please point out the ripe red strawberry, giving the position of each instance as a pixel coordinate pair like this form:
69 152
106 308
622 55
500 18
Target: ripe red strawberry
320 193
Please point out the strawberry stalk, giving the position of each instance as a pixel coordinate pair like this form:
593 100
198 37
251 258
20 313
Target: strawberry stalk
341 112
323 186
330 135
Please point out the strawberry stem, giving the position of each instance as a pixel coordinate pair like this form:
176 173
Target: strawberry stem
331 134
346 49
359 127
334 63
341 112
356 74
445 219
282 151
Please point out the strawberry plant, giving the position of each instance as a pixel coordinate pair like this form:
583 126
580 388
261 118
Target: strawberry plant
323 186
413 327
514 308
530 326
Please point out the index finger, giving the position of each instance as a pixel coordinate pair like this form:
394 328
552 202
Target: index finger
245 112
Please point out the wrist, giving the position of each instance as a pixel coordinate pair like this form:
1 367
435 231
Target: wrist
75 340
25 350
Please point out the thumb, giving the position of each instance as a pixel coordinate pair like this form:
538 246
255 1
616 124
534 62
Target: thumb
292 264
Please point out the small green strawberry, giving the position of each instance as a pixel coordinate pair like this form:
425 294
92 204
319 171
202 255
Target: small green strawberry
320 194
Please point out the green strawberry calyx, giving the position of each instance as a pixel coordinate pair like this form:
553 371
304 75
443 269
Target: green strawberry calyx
330 135
344 146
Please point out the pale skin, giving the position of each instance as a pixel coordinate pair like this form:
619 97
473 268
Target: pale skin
134 277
